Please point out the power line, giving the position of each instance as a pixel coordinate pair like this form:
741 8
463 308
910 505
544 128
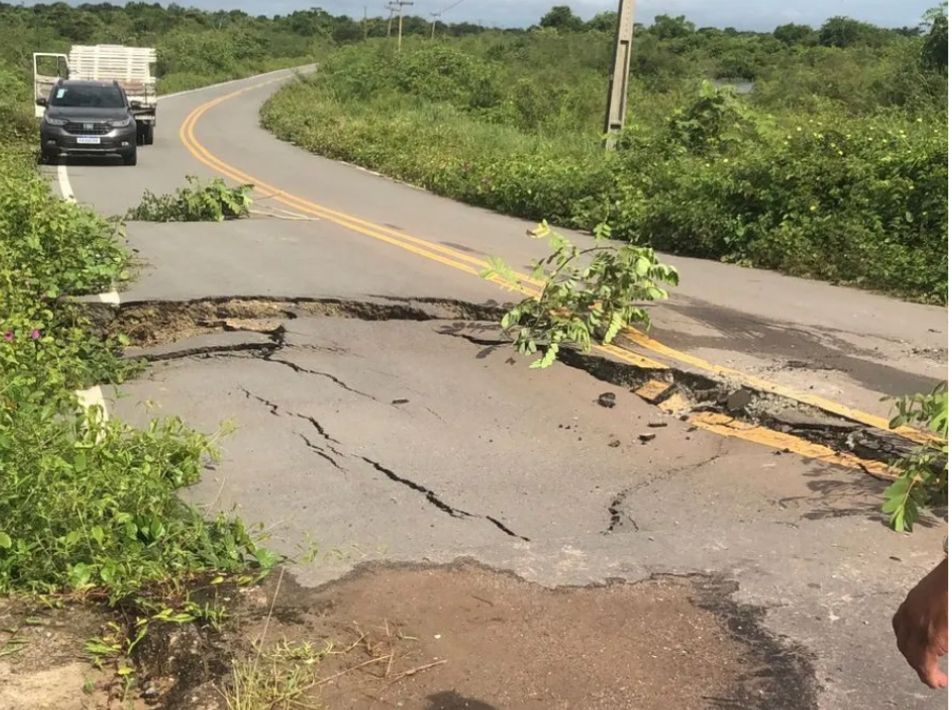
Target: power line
451 6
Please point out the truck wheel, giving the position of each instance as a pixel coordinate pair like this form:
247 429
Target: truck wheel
130 158
47 158
148 137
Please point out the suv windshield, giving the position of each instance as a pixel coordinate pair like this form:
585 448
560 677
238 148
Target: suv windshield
87 97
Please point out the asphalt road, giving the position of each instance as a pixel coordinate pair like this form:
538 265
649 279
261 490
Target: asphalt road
389 437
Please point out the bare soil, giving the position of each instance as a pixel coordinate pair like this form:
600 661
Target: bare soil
465 636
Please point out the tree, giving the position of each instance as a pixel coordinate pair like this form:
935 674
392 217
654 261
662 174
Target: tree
346 30
793 33
603 22
562 18
667 27
578 302
847 32
935 50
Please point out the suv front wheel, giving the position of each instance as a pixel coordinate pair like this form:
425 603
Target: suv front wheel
131 157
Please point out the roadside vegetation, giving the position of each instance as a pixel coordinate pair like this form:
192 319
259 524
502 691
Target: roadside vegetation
89 506
212 201
195 47
85 503
832 167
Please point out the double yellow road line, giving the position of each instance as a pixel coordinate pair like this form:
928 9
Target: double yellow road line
447 256
474 266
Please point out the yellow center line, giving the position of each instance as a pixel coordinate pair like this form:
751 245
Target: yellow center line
527 285
832 407
421 247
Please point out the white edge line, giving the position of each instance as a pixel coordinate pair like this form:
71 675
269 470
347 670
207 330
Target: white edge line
93 397
65 188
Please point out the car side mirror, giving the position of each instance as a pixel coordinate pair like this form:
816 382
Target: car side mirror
41 101
135 104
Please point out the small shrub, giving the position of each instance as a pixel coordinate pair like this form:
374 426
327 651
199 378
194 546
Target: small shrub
197 202
578 301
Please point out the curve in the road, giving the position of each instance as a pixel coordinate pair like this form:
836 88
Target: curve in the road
474 265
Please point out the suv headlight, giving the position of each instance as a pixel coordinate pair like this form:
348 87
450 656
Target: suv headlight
122 122
55 121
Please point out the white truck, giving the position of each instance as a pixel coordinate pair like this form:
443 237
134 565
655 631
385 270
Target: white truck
131 67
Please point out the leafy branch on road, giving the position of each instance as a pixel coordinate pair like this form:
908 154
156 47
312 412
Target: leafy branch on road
924 472
586 294
213 201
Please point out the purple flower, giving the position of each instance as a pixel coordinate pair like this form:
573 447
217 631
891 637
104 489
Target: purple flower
35 335
8 336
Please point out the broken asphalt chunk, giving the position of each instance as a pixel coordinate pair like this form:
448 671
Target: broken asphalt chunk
655 391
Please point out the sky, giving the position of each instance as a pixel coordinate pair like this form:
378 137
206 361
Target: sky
742 14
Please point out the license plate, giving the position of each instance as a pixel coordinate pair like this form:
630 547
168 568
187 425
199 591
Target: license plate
88 140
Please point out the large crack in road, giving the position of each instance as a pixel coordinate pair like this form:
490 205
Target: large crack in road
332 454
152 323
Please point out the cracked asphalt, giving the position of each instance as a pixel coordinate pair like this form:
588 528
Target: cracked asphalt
400 439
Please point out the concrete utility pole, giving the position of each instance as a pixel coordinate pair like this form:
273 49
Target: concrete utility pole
391 7
618 84
436 16
400 4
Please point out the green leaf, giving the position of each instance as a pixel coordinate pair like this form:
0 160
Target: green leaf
5 542
897 421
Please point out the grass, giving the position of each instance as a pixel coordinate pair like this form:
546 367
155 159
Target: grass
279 676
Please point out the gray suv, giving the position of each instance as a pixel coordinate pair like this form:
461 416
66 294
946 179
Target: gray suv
87 118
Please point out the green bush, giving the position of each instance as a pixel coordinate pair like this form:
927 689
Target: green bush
85 503
213 201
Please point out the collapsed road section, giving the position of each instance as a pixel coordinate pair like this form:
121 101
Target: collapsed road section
404 430
162 330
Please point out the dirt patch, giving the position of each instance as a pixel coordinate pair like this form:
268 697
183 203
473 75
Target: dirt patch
42 664
464 636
